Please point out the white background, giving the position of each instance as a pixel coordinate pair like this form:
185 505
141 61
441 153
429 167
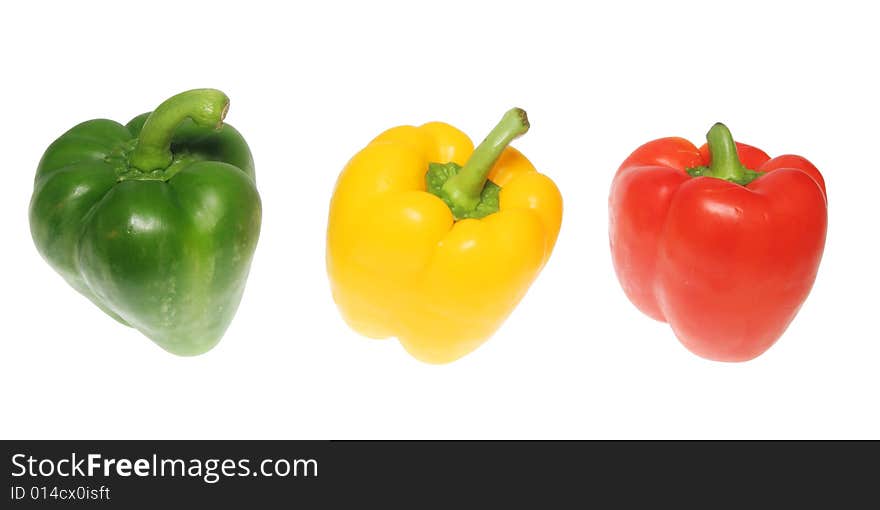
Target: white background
311 85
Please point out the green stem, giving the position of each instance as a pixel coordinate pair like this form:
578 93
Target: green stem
725 160
206 107
463 190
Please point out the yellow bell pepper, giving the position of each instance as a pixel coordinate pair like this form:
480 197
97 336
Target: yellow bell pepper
422 247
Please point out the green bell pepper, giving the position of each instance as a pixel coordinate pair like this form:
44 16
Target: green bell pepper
155 221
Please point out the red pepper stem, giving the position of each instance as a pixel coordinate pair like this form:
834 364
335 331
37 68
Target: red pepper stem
206 107
465 187
725 160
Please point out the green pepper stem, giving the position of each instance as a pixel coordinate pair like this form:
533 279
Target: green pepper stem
464 188
725 160
206 107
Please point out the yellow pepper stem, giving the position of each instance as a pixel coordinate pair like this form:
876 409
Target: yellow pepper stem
464 189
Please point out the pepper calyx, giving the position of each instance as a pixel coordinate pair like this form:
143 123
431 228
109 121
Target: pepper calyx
205 107
467 189
725 159
437 176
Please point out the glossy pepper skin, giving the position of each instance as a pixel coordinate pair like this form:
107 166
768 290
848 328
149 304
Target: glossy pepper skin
721 242
155 221
420 246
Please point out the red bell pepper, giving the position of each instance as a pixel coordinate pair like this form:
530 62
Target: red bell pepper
721 242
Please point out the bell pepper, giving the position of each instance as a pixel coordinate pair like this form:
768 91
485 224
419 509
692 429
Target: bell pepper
155 221
434 242
721 242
